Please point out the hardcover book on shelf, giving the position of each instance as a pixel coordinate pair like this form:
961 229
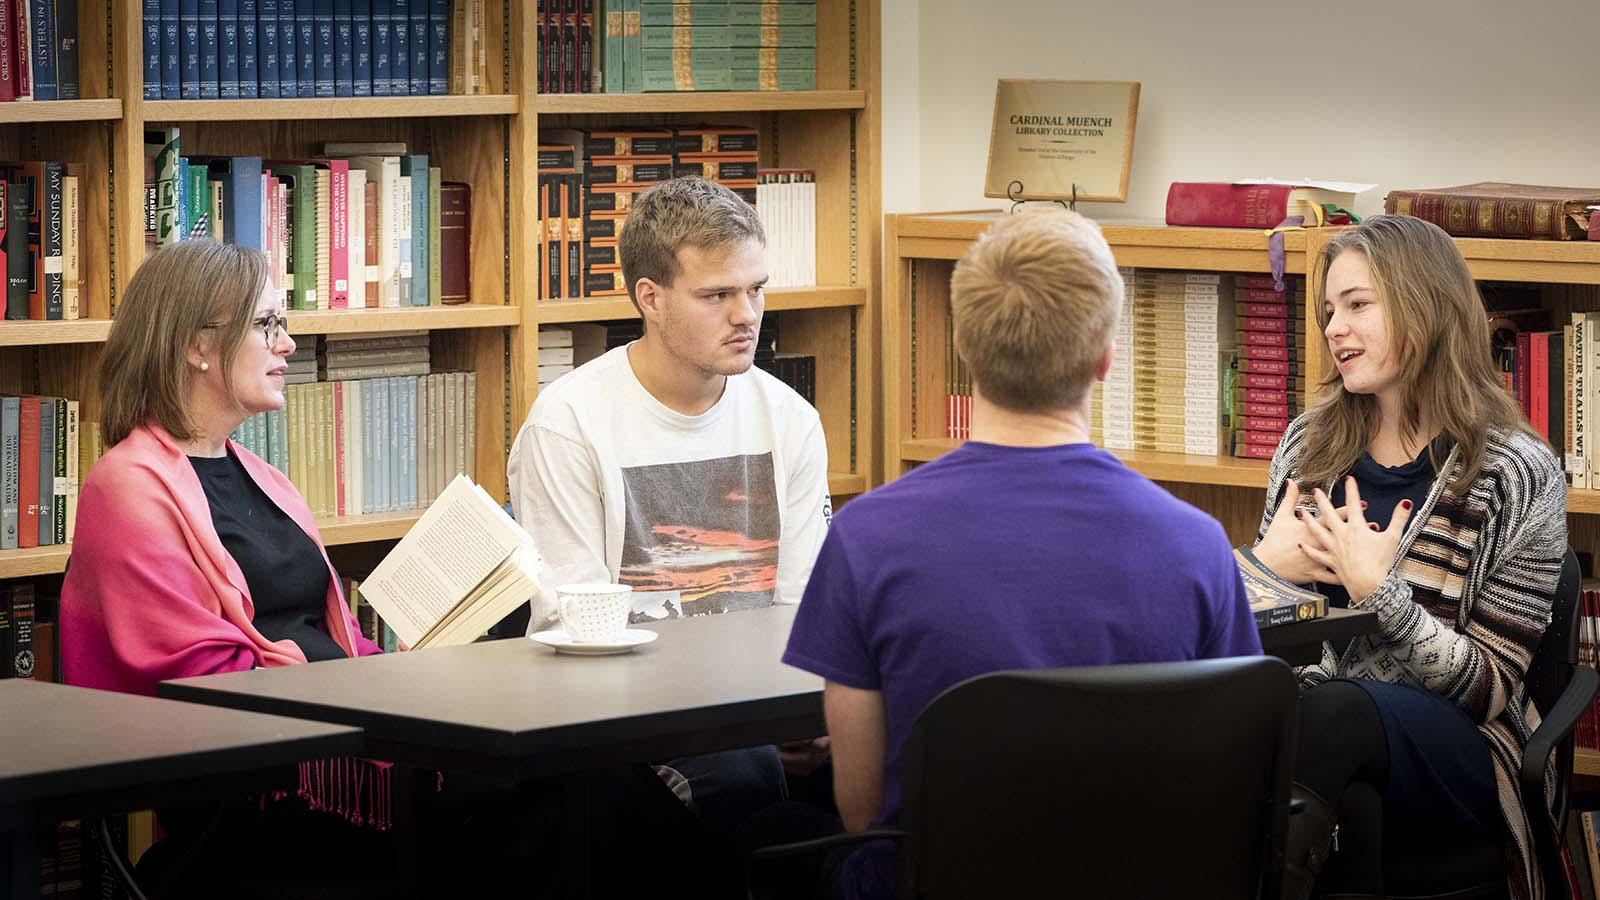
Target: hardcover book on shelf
1274 601
1263 204
433 599
1500 210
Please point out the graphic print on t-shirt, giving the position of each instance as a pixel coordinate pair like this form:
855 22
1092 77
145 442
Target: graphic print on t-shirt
700 537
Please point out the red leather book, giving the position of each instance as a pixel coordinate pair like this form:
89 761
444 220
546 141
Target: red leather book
1594 223
8 79
1498 209
455 239
28 474
1224 205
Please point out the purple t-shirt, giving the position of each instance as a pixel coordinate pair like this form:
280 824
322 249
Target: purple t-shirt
995 557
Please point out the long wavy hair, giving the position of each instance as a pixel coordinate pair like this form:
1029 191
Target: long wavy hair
1438 327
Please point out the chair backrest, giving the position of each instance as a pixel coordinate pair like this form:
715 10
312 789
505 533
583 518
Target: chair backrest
1557 655
1151 780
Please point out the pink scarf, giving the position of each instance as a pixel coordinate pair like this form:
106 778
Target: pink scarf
151 593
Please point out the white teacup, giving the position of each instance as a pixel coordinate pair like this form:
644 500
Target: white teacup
594 613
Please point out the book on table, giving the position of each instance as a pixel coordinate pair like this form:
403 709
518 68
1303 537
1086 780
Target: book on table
463 567
1274 601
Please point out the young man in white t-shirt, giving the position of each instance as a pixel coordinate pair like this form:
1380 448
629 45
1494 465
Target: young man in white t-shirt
672 464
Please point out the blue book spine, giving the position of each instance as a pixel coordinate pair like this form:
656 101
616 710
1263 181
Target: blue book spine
361 21
400 47
417 167
180 195
288 50
210 50
380 405
67 48
369 448
47 470
421 56
408 459
267 51
382 48
322 13
344 50
150 25
189 84
249 51
439 47
171 50
10 461
241 203
228 29
42 53
305 40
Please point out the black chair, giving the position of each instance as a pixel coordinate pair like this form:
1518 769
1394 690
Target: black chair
1154 780
1561 690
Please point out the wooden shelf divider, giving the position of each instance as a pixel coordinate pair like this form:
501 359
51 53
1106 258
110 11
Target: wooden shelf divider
51 111
330 108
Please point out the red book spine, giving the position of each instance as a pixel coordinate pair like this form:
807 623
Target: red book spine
20 58
1266 310
1266 294
1539 382
1269 339
1264 395
1256 324
1227 205
339 234
8 80
33 183
1256 423
1594 224
1262 351
1257 451
1261 282
1263 438
1267 410
28 474
1269 382
1520 378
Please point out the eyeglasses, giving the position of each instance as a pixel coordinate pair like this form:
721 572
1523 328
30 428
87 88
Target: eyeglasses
271 325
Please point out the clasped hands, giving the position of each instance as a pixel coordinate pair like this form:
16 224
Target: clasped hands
1339 546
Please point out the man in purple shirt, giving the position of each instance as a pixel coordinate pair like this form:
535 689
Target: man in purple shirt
1028 547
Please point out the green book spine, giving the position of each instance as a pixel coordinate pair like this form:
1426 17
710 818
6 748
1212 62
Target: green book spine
770 36
613 66
686 37
667 15
773 14
774 58
632 48
301 183
698 59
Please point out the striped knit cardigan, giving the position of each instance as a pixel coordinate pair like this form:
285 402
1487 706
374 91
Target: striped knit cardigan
1463 609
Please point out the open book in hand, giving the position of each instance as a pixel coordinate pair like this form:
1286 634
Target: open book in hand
1273 600
462 568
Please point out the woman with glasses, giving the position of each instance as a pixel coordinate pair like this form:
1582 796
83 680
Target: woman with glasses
193 556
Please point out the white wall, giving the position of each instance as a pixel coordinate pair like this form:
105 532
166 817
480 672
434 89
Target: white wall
1402 93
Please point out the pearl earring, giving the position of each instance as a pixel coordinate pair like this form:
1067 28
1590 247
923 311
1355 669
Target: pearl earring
205 366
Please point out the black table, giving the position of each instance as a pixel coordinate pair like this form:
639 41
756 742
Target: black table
67 752
516 710
1300 643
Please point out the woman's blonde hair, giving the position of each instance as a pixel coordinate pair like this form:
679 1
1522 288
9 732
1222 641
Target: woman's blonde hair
1035 301
178 292
1439 330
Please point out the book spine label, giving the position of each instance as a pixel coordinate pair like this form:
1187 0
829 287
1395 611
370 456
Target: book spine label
439 47
344 49
47 471
325 53
150 28
400 46
361 18
210 50
268 52
10 448
66 20
52 239
421 57
1226 205
305 43
249 50
43 72
21 641
228 71
289 74
58 482
382 48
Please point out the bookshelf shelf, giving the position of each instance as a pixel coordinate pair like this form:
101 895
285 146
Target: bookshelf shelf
1586 763
330 108
1222 471
602 309
77 331
60 111
388 526
1560 262
700 101
844 484
1582 501
334 321
34 561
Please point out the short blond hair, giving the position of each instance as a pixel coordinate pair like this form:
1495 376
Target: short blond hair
683 212
1035 300
176 293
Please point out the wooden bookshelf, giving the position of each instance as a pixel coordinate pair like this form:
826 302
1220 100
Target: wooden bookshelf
607 309
34 561
1181 468
77 331
337 321
169 111
53 111
340 530
702 102
1586 763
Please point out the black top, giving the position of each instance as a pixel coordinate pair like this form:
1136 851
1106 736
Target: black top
287 578
1383 487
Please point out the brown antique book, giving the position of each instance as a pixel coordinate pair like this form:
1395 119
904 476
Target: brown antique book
1496 209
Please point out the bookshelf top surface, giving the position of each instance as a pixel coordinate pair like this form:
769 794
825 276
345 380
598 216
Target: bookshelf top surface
700 101
40 112
330 108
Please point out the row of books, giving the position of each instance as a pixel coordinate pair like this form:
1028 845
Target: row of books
41 459
370 445
786 200
588 180
370 226
685 45
40 252
38 50
1264 386
249 49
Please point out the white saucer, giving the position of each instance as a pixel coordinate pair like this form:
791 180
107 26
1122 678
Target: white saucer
557 640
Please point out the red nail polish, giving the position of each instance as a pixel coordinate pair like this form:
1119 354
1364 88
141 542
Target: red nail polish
1406 504
1373 525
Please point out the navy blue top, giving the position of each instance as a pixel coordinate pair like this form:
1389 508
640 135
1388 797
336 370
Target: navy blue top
1382 487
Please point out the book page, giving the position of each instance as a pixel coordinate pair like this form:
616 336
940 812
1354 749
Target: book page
462 538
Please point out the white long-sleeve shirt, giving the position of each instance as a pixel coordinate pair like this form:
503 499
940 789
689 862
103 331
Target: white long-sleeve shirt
699 514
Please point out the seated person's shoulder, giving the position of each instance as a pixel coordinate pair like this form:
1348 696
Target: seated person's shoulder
558 405
1519 450
785 403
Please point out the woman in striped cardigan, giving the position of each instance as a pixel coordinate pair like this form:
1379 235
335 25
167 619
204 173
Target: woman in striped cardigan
1415 489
